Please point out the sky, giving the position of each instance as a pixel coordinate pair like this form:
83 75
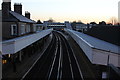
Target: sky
70 10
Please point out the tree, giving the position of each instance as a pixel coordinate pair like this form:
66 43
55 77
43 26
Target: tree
93 23
102 23
39 22
109 23
74 22
79 21
51 20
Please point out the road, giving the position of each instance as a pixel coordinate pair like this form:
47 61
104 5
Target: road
58 62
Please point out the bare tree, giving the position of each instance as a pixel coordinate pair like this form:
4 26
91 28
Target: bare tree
113 20
51 20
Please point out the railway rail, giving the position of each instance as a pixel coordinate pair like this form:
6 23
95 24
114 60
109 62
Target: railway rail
58 62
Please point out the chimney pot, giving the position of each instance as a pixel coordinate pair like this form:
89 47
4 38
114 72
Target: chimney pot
27 14
18 8
6 7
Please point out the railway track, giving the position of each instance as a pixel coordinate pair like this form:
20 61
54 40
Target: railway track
58 62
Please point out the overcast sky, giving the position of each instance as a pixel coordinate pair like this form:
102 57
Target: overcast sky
70 10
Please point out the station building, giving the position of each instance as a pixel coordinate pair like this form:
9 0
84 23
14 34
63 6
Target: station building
19 35
57 25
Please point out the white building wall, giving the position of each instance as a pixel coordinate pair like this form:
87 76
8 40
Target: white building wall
100 57
114 59
104 58
119 60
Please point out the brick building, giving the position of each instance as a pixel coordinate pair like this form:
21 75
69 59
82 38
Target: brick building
14 24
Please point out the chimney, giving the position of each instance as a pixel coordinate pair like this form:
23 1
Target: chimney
27 14
6 7
18 8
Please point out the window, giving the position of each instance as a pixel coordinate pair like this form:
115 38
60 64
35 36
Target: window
22 29
14 29
27 28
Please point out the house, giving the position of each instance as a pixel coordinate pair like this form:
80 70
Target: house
14 24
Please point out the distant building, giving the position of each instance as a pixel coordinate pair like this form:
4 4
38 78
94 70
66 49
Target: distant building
14 23
79 26
56 25
39 27
68 25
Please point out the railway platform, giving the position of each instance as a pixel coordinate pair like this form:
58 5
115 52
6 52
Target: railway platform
23 66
